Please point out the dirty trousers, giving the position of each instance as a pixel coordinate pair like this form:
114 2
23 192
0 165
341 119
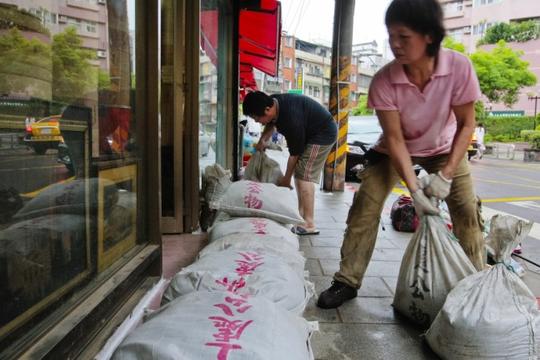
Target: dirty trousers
363 219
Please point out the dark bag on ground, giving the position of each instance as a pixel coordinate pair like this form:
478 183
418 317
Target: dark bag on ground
403 215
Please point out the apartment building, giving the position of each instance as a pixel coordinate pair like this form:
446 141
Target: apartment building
89 17
468 20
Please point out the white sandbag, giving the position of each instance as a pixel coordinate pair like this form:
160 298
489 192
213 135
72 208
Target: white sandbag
253 225
432 265
216 181
246 273
262 168
265 243
491 314
219 325
253 199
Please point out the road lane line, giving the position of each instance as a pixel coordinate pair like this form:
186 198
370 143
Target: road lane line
511 199
506 183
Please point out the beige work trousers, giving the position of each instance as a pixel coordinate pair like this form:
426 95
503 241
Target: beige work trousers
363 219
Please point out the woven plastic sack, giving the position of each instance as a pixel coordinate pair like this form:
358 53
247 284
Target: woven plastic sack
262 168
262 243
252 199
244 272
403 215
216 181
219 325
432 265
491 314
253 225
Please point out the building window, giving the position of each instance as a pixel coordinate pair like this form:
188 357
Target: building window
316 92
287 62
452 7
74 176
485 2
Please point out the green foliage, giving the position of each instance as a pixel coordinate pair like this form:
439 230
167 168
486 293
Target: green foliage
450 43
73 74
479 110
532 136
361 108
506 129
520 32
24 63
502 73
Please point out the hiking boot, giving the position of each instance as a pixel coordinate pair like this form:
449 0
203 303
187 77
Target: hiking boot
336 295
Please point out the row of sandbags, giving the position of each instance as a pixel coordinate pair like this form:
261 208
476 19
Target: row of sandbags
244 295
489 314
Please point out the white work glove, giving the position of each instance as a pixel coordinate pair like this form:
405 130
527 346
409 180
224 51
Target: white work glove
423 205
437 186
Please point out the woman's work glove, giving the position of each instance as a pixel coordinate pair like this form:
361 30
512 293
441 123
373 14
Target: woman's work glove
422 204
437 186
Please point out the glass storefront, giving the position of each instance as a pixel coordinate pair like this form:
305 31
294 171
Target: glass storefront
70 162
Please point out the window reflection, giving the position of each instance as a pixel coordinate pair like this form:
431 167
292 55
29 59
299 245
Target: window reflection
68 151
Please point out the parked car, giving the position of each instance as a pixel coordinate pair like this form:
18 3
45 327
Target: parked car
363 132
44 134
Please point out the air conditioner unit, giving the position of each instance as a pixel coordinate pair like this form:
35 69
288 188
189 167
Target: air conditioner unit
101 54
103 2
62 18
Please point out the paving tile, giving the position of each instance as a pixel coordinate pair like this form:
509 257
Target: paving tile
314 267
304 241
382 268
369 341
391 282
374 287
329 266
388 254
314 313
384 244
368 311
327 241
327 252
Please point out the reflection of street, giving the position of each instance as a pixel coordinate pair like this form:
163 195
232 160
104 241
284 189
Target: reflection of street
26 171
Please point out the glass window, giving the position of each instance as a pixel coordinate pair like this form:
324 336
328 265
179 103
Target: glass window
68 153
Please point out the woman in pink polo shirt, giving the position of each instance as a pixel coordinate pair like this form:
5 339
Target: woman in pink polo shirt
424 100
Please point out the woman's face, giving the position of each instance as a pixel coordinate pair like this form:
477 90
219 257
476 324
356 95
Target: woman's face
408 46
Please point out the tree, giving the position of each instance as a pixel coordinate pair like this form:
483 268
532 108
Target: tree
73 74
450 43
502 73
361 108
25 65
520 32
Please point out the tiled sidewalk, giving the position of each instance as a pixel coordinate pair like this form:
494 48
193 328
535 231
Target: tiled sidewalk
366 327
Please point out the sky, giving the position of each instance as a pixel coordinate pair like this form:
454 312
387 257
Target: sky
312 20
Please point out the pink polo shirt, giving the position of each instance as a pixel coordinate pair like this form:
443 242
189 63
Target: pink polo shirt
427 120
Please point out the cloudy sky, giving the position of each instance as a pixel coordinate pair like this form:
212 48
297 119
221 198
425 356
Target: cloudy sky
312 20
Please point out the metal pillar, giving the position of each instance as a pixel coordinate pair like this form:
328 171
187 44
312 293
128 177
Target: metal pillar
334 169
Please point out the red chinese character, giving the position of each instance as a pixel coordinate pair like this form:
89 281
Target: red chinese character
249 264
224 349
232 286
237 303
259 226
254 187
228 329
252 202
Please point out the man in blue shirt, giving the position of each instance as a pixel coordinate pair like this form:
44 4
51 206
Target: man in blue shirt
310 132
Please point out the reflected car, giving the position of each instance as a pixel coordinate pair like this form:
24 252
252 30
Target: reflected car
206 141
363 132
44 134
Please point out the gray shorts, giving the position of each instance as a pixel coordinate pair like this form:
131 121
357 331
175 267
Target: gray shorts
311 162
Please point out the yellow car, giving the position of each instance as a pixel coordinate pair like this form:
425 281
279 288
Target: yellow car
44 134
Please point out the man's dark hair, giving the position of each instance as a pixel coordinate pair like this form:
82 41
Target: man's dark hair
423 16
255 103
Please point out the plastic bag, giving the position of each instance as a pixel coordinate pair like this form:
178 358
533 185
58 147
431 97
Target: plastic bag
491 314
432 265
219 325
262 168
403 215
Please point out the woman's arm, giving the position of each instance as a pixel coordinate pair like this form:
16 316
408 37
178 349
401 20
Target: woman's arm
399 154
465 129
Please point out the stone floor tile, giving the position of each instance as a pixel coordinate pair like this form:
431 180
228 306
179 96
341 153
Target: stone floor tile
381 254
384 244
382 268
391 282
327 241
317 252
329 266
368 311
314 313
374 287
370 342
314 267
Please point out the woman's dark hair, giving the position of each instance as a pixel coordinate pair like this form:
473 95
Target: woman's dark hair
255 103
423 16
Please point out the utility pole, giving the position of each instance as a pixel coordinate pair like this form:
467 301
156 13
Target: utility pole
535 98
334 169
